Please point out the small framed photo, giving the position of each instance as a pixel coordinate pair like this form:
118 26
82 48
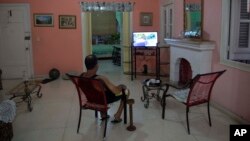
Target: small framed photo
45 20
67 21
146 18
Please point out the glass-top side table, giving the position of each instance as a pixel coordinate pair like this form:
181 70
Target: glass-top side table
152 91
24 90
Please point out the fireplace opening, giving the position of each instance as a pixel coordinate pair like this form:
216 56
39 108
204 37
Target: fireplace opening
185 71
198 54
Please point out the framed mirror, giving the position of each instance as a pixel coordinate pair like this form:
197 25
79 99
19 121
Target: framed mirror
193 19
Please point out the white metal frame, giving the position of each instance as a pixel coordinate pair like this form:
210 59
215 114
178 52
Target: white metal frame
224 39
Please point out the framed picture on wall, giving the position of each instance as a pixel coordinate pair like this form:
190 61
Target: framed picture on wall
146 18
45 20
67 21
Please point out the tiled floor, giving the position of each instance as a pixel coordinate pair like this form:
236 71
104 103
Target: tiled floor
55 116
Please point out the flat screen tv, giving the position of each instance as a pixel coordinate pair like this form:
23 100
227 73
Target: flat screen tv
145 39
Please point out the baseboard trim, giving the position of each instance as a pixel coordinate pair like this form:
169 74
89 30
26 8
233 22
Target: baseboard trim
229 113
41 76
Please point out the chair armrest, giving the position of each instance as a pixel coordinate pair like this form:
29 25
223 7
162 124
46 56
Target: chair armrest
122 86
124 98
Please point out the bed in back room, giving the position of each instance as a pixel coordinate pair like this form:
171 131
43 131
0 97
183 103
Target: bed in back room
102 45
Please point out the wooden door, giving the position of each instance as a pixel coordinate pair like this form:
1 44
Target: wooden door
15 46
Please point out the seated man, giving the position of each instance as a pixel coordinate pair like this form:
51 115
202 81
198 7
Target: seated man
113 92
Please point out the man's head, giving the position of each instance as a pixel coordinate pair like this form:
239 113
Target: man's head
90 62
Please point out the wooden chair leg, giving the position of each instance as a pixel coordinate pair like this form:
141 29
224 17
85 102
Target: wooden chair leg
187 110
125 111
79 121
131 126
124 98
208 112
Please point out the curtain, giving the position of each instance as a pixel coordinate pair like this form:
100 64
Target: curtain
126 42
87 35
107 6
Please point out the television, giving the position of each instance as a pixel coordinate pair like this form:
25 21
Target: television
145 39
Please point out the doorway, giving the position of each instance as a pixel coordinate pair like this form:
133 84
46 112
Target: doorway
15 41
125 38
105 33
168 20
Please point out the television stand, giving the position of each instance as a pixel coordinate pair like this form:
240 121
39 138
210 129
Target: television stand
146 54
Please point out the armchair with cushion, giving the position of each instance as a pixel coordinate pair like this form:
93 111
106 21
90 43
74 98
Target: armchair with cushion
197 92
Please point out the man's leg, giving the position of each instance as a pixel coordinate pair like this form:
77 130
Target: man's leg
119 111
120 108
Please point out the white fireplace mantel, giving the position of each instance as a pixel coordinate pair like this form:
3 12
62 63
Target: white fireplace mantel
192 44
197 53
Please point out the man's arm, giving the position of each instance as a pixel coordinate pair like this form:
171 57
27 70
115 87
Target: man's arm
115 89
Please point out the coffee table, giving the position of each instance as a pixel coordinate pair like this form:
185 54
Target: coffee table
149 92
24 90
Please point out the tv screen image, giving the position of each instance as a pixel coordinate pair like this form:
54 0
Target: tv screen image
145 39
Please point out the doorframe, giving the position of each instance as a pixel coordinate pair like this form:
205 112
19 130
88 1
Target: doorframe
28 32
162 22
86 41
